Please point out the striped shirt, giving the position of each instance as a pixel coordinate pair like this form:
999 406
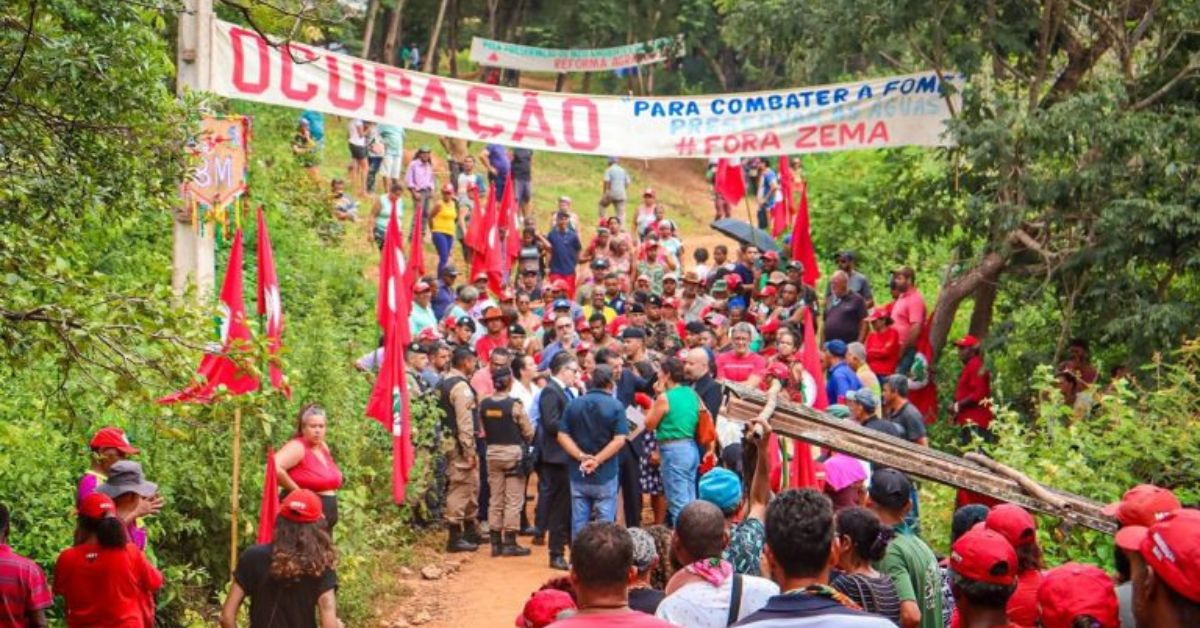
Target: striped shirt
22 588
876 595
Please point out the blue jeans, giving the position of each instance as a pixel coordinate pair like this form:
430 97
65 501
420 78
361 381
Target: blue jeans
444 243
680 460
913 519
584 497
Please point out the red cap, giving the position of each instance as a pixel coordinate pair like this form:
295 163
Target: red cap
983 555
1073 589
1143 505
768 291
583 347
97 506
492 313
112 438
671 302
771 255
301 506
1169 547
420 287
542 608
507 294
480 275
449 187
883 311
967 341
648 192
733 280
1014 523
429 333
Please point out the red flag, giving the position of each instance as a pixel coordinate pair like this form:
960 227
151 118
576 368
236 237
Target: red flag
270 502
511 223
270 303
218 368
488 258
802 244
729 181
804 470
416 250
476 233
389 274
781 213
922 387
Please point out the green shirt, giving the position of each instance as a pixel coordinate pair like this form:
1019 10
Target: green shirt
683 414
914 569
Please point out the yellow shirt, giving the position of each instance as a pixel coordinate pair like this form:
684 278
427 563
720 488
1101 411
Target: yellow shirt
444 216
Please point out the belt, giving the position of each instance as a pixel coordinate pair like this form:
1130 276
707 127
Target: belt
676 440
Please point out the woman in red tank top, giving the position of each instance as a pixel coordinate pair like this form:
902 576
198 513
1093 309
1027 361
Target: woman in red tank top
306 462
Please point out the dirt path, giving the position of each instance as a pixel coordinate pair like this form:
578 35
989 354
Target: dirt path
469 590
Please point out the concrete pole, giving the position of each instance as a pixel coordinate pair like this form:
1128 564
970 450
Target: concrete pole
193 254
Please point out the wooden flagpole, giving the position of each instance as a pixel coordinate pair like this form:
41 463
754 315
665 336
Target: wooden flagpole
237 472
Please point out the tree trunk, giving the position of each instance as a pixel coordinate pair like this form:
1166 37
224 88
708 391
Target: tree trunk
587 82
493 6
433 37
393 34
369 28
981 313
452 39
955 291
560 81
713 65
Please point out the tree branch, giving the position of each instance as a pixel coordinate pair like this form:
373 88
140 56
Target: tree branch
24 47
1159 93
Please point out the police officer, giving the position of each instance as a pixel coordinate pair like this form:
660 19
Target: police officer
416 358
508 430
457 401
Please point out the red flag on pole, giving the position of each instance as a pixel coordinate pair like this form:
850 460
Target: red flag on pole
270 502
511 223
476 233
217 368
270 304
804 471
781 213
730 181
922 387
488 258
416 250
389 276
802 244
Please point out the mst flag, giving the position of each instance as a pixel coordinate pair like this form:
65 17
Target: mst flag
729 181
782 212
269 509
510 223
270 304
802 244
804 472
217 368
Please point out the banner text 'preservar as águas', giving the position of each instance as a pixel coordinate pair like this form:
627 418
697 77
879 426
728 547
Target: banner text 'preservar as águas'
909 110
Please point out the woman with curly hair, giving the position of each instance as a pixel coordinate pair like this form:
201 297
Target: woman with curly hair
291 580
864 540
662 571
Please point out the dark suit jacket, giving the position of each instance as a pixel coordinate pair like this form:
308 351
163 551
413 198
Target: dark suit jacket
628 385
710 392
551 403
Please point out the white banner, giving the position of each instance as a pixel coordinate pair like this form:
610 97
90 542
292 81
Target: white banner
490 52
876 113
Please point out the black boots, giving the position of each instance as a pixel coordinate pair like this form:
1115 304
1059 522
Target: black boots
456 542
471 532
497 546
510 547
559 563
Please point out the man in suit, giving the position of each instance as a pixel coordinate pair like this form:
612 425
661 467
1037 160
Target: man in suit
698 368
554 498
629 383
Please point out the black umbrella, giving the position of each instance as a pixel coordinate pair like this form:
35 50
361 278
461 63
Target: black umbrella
741 231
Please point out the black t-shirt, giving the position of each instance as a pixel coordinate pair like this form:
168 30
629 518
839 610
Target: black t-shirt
645 600
275 604
522 164
843 318
908 418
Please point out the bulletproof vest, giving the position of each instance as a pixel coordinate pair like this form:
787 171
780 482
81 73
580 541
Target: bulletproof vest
499 424
449 418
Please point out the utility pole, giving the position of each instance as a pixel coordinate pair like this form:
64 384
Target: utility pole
193 254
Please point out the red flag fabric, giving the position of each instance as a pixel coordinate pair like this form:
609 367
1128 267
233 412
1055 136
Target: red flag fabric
218 368
729 181
476 234
922 385
804 469
802 244
270 304
416 250
389 274
781 213
270 502
488 258
510 223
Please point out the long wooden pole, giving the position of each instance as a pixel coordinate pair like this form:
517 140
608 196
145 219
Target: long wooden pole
233 498
433 38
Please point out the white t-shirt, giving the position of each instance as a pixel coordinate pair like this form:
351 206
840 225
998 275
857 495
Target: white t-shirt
357 136
701 605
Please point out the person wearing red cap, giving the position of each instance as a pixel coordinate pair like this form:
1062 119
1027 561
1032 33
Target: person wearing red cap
109 445
1143 505
544 607
421 316
1078 595
291 580
983 566
883 342
104 579
1165 561
443 223
1017 526
972 405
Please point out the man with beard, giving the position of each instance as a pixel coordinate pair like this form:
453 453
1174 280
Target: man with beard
694 302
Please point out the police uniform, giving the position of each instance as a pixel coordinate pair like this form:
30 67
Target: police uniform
457 401
508 429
